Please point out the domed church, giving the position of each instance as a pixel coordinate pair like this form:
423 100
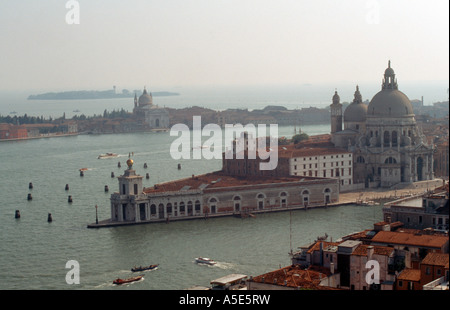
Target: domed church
149 115
388 147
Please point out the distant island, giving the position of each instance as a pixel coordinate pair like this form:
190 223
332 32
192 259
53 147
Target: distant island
93 94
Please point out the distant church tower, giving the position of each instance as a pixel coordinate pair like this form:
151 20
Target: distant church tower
336 114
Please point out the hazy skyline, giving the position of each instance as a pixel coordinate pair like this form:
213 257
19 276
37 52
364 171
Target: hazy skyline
177 43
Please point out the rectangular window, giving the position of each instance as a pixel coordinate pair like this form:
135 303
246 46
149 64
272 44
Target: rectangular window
135 189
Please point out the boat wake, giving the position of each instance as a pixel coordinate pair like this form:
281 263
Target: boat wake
221 265
224 265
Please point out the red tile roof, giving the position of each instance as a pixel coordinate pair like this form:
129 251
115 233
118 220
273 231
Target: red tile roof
217 180
391 237
436 259
409 275
325 245
291 151
362 249
295 276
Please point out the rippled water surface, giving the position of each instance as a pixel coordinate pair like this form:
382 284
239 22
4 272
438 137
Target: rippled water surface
34 253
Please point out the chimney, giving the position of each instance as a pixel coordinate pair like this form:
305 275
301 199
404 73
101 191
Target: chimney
321 254
369 252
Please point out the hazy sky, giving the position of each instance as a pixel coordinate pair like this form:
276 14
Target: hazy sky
173 43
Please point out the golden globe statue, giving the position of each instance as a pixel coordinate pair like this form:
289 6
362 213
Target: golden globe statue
130 163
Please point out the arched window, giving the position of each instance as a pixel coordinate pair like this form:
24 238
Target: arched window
390 160
327 195
153 209
189 208
212 202
394 138
260 201
169 208
360 160
182 208
197 206
237 203
161 211
283 199
305 195
386 138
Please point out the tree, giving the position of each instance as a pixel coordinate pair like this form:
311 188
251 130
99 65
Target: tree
299 138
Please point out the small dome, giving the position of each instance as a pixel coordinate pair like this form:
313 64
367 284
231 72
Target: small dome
336 97
389 71
355 112
145 99
390 103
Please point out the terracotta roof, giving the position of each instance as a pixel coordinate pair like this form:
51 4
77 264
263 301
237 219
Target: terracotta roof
316 246
436 259
295 276
361 250
291 151
410 275
405 238
216 180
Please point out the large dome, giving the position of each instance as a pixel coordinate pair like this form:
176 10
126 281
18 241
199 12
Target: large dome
390 103
145 99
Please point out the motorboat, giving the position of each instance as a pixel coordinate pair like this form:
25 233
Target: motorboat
205 260
145 268
108 155
119 281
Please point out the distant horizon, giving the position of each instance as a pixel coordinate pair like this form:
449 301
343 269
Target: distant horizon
158 88
218 44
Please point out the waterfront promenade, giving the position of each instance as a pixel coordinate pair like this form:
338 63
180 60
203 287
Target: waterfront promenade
374 194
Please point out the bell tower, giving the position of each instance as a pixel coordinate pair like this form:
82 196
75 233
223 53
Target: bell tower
336 114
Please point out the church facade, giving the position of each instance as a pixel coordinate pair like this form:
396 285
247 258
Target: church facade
150 116
388 147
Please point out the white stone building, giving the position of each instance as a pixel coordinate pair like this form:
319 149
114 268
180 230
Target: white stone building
150 115
388 147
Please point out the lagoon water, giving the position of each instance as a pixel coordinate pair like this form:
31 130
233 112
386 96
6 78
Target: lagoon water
34 253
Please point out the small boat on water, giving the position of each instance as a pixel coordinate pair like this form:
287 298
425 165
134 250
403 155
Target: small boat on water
145 268
119 281
205 260
108 155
